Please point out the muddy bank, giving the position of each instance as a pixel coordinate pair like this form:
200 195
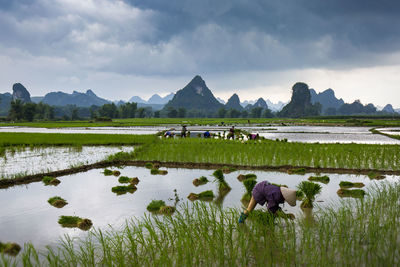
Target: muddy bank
4 183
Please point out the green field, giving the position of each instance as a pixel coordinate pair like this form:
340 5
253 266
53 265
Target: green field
272 153
343 121
56 139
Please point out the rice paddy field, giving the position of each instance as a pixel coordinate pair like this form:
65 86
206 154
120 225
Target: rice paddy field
101 216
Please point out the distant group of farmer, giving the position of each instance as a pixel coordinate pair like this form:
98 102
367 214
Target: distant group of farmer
231 134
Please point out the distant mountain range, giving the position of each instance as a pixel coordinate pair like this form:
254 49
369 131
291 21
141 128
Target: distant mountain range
197 96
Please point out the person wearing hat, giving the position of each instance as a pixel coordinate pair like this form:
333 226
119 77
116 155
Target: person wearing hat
272 194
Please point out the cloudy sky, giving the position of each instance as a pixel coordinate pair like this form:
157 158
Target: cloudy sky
257 48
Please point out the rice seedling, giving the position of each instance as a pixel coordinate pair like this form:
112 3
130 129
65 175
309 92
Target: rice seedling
167 210
322 179
310 190
249 185
123 189
299 195
346 184
57 202
375 176
47 180
242 177
355 193
124 180
301 171
157 171
279 185
155 205
75 221
222 184
350 234
205 195
149 165
134 181
200 181
11 249
107 172
227 169
116 173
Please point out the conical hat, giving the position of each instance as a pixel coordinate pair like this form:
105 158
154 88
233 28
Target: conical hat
289 195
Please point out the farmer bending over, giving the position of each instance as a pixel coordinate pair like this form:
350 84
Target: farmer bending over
272 194
231 133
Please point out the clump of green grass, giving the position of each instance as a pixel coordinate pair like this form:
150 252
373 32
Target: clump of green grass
227 169
205 195
280 185
107 172
376 176
167 210
57 201
219 176
124 180
297 171
149 165
123 189
355 193
47 180
264 218
322 179
116 173
75 221
11 249
157 171
310 190
200 181
135 181
242 177
155 205
299 195
346 184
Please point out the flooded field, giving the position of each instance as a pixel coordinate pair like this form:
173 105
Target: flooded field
26 216
308 134
33 160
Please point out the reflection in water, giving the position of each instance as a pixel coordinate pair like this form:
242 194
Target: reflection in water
25 214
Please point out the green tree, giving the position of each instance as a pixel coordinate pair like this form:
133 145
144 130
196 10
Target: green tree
171 112
182 112
15 112
28 111
267 113
256 112
157 114
221 113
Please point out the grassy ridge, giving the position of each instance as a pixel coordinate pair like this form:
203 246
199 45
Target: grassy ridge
57 139
357 234
272 153
343 121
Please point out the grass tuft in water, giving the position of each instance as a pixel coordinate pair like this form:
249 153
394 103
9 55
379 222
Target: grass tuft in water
205 195
167 210
355 193
149 165
322 179
227 169
310 190
11 249
124 180
135 181
200 181
75 221
219 176
346 184
155 205
108 172
157 171
376 176
57 202
123 189
297 171
47 180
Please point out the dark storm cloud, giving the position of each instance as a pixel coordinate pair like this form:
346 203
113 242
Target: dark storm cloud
170 37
